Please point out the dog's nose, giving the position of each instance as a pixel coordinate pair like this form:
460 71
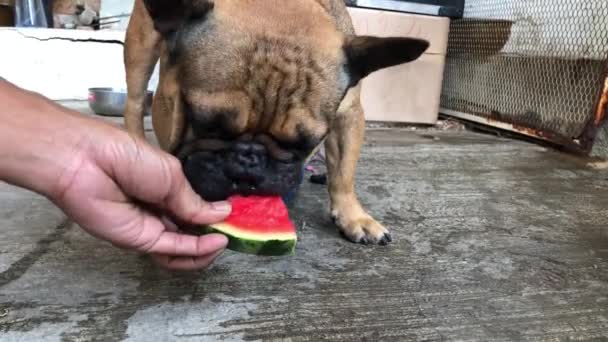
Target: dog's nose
249 155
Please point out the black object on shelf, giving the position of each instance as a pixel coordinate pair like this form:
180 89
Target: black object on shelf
442 8
48 9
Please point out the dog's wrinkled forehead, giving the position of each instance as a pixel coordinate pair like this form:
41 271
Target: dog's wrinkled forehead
231 44
226 38
236 79
281 68
267 69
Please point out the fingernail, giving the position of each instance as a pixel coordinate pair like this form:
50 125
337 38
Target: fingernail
223 207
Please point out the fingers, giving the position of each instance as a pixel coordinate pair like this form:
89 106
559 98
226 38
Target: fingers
161 238
181 259
179 252
185 263
169 225
172 243
183 202
155 177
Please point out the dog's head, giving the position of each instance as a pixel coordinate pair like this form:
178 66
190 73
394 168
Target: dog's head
249 88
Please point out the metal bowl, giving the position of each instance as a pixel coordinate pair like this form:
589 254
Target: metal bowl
112 102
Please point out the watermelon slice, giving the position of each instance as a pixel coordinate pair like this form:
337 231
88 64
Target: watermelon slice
257 225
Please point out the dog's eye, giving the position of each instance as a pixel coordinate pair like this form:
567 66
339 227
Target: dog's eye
298 150
212 121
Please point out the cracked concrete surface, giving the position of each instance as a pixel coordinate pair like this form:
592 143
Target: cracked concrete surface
495 240
69 39
40 59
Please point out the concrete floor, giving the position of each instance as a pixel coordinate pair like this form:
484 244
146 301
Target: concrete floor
495 240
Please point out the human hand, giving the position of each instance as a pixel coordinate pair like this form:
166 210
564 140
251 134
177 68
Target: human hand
115 186
119 190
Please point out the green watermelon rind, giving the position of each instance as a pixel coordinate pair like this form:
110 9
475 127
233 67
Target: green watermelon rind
247 245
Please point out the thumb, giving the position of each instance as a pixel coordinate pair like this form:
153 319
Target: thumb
155 177
184 203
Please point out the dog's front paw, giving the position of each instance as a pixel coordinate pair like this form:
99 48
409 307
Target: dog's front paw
361 228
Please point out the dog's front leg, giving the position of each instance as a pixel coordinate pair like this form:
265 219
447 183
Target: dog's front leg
343 147
141 53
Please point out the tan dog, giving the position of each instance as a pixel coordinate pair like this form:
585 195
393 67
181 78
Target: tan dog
249 88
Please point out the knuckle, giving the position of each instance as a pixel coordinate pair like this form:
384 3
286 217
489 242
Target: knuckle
175 166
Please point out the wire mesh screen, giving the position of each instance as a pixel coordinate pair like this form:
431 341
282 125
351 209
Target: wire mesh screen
536 64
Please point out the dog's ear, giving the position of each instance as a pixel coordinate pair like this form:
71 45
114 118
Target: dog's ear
366 54
170 15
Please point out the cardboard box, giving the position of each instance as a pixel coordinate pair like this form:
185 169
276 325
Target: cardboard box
409 93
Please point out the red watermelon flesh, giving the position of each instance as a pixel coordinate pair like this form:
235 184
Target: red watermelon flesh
258 225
